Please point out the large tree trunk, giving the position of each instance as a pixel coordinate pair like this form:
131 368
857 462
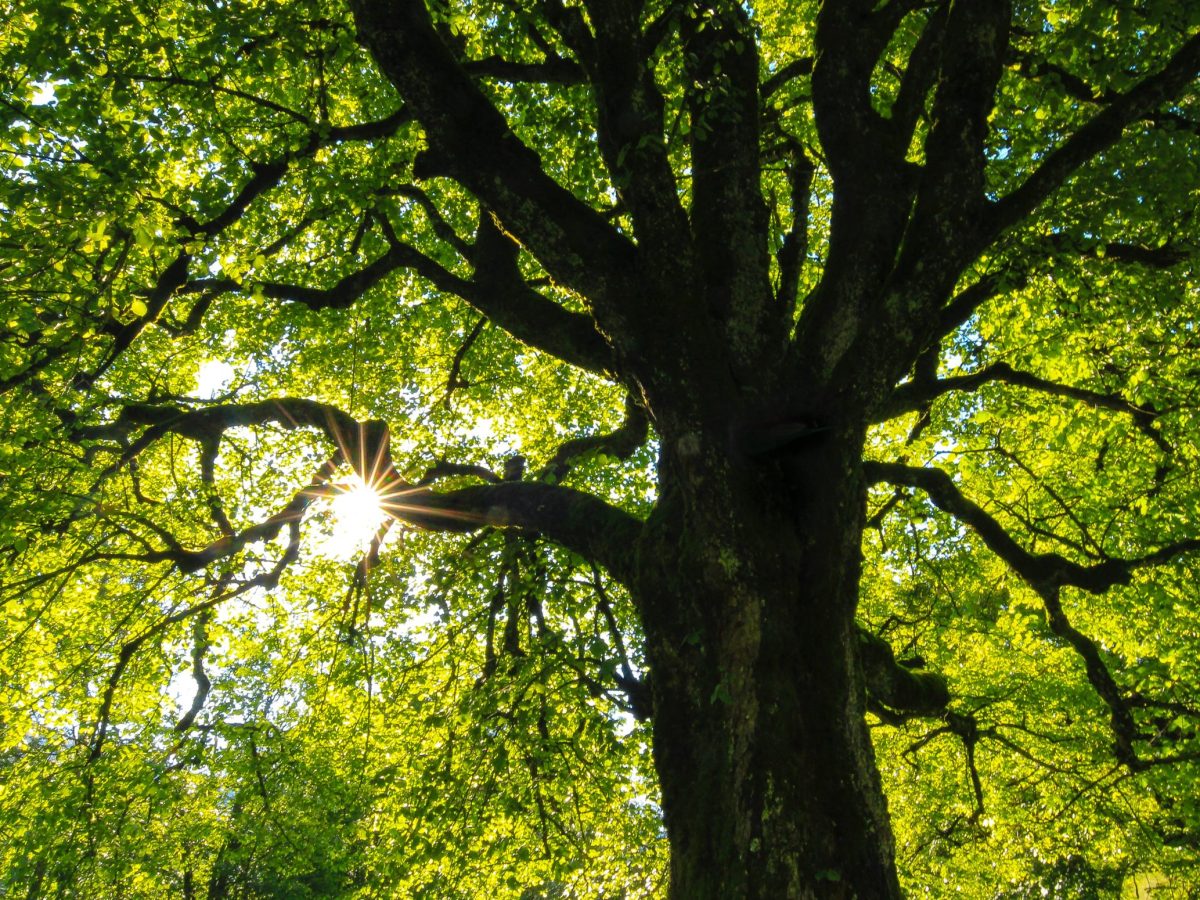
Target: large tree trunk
748 584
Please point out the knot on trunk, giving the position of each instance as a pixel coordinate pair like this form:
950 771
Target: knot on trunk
896 686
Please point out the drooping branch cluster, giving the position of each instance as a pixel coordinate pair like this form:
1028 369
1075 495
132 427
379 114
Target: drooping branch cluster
578 521
1048 574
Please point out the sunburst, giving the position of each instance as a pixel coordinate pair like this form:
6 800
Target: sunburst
366 503
358 516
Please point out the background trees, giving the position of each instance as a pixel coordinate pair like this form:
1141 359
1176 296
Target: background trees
943 252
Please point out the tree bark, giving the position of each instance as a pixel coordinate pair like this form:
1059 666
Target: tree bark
747 579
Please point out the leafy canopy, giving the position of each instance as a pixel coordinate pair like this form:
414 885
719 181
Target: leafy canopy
227 252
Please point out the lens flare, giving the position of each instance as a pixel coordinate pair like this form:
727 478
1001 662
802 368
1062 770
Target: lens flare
357 516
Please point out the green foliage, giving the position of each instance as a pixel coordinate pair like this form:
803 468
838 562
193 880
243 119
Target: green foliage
180 180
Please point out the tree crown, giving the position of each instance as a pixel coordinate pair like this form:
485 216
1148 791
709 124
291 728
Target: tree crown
509 263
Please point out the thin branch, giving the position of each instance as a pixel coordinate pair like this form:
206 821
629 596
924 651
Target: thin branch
339 295
621 443
658 29
1103 130
1166 256
200 645
916 394
497 291
269 174
208 458
794 250
455 380
553 70
444 469
130 648
265 176
1014 276
1037 68
442 228
171 279
572 28
212 85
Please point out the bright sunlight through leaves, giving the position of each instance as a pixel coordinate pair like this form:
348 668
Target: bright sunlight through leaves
357 518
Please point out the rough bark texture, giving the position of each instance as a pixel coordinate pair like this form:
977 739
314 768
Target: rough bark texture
768 778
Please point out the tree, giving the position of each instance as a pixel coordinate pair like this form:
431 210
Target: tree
808 390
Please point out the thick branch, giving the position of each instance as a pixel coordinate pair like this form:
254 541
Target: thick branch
951 191
553 70
794 250
898 688
501 293
729 217
470 141
850 37
873 193
919 75
578 521
585 524
797 68
208 424
630 134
